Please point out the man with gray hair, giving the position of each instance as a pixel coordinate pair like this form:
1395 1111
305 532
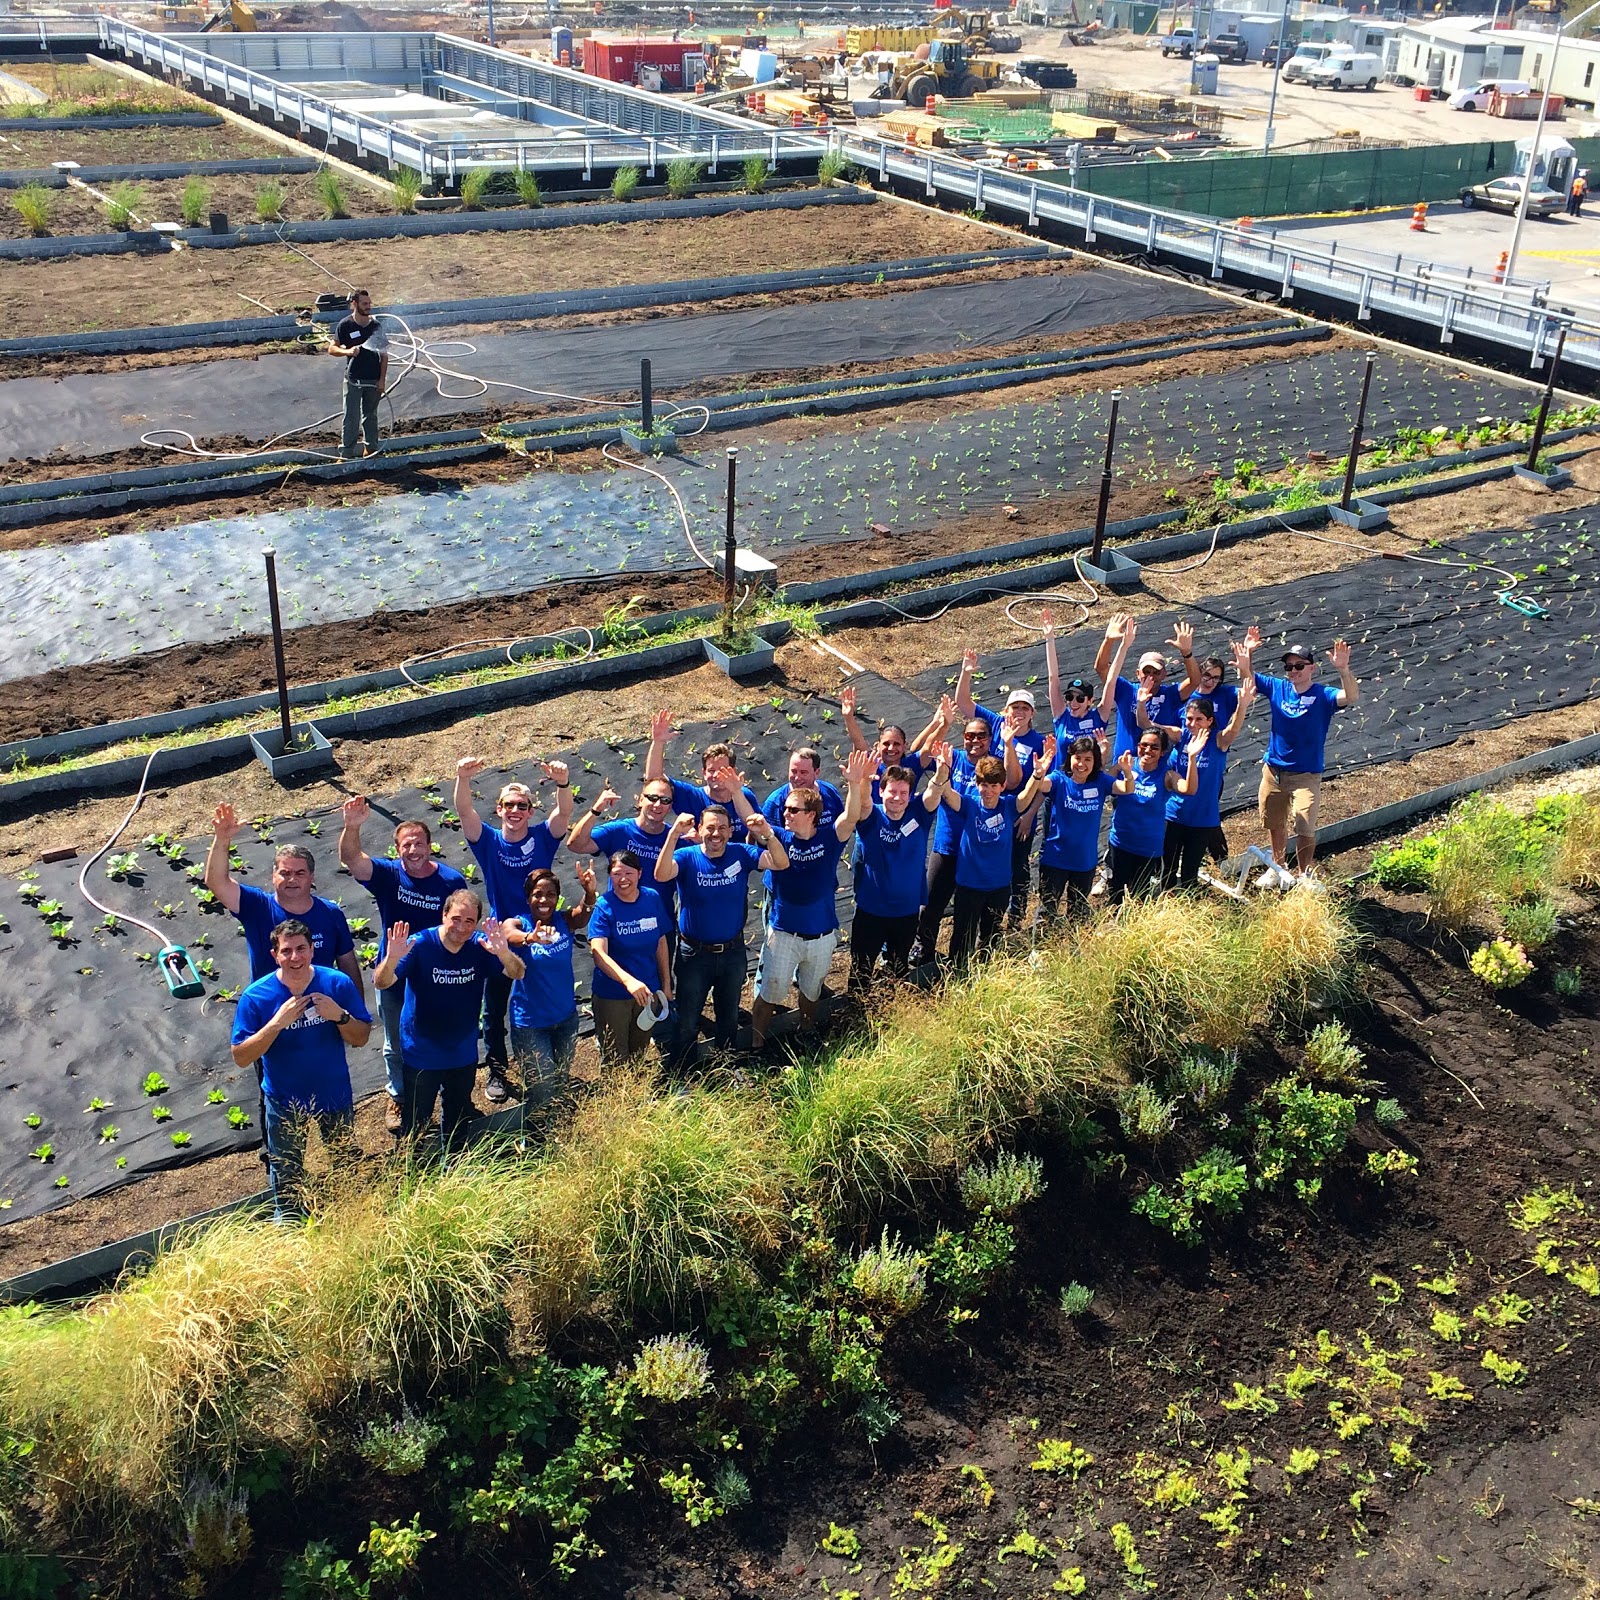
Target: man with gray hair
293 875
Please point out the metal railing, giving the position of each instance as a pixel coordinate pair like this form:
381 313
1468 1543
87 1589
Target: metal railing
1514 316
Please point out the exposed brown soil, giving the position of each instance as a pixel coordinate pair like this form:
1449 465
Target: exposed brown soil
22 146
206 285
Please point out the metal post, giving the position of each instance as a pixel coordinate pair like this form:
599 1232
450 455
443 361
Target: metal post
1277 73
646 411
491 23
1105 481
271 557
1355 436
730 546
1544 404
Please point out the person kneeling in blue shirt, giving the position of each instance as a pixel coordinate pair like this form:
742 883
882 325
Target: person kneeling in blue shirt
296 1022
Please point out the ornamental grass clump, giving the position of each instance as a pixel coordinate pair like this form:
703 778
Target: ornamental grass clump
35 205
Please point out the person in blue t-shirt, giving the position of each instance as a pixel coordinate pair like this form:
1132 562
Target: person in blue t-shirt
1077 793
891 748
803 922
1075 705
719 779
544 1000
1209 678
506 855
1161 700
443 972
891 869
712 879
643 834
411 887
805 772
1139 815
293 877
985 813
294 1025
632 969
1291 775
1194 808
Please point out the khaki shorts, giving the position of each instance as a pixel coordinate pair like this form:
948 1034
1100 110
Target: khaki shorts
1289 800
789 959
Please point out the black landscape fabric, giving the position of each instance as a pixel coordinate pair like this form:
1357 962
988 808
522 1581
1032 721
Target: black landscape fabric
260 396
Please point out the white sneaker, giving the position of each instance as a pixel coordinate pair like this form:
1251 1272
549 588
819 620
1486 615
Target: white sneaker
1308 880
1274 877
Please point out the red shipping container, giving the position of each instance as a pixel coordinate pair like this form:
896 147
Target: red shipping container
622 58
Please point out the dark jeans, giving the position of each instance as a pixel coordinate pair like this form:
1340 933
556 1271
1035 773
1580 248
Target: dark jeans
1182 854
360 414
977 925
872 936
1057 881
941 886
718 974
496 998
1021 872
283 1126
544 1058
391 1002
1131 874
424 1089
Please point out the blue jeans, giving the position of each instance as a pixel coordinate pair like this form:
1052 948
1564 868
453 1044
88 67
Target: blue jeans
719 974
544 1057
284 1127
391 1002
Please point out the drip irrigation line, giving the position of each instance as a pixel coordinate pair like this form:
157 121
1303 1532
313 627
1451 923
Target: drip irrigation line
1019 597
83 886
489 644
1512 580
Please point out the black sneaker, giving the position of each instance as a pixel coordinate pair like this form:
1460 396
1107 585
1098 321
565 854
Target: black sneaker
495 1090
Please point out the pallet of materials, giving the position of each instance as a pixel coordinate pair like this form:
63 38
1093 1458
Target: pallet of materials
916 127
1073 126
1021 98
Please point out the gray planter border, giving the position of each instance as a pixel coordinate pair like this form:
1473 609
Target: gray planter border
158 172
141 119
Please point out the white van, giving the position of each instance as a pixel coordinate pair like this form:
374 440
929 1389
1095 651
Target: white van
1346 69
1305 57
1477 98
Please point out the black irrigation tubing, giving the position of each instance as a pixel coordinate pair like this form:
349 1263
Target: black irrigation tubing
139 119
526 307
514 220
557 680
92 1269
158 172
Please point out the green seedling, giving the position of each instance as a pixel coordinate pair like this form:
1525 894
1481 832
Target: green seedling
1245 1398
154 1083
216 1098
33 1119
237 1117
1301 1461
180 1138
1445 1284
1442 1386
97 1104
161 1113
841 1542
45 1153
1503 1369
110 1133
1447 1326
1061 1457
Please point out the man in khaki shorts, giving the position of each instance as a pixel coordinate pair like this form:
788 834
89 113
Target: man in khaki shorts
1291 775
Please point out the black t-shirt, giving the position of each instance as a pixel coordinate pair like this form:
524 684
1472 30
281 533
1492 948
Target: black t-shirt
369 341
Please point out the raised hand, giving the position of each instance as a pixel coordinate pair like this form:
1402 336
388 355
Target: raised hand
1198 740
586 878
969 660
469 767
1048 623
758 827
947 711
847 700
556 772
1125 763
1008 732
944 759
1252 637
1340 655
1120 626
1243 661
858 766
1045 759
400 942
606 800
682 823
225 822
661 727
1182 638
354 812
494 936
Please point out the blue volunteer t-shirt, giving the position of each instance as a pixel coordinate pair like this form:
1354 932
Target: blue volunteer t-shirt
1203 808
1300 723
259 913
1072 822
506 865
802 894
983 852
832 805
892 861
627 834
691 798
1139 819
1224 701
912 762
444 994
418 902
946 825
1029 743
1165 710
1072 725
305 1065
631 930
714 892
544 995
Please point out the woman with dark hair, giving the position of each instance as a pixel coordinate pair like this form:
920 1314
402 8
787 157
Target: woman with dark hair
628 941
544 1004
1077 793
1145 778
1194 810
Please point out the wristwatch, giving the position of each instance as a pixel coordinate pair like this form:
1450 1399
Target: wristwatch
340 1020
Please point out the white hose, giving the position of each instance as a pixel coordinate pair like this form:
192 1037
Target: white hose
83 886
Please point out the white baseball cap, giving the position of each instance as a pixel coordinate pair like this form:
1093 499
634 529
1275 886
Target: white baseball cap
1020 697
655 1009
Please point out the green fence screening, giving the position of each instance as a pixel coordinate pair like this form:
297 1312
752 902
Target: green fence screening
1285 185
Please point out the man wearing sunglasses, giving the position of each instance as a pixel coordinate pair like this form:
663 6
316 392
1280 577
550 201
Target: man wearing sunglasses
1291 775
506 853
643 834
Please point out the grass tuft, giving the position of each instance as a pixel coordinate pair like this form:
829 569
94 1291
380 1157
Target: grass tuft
528 190
195 201
624 181
35 205
474 185
330 192
407 185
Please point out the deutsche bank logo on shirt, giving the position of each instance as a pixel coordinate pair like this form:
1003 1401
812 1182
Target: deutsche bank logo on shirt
993 824
454 975
1297 705
625 930
802 851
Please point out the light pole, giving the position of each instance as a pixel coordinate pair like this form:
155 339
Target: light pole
1538 136
1277 72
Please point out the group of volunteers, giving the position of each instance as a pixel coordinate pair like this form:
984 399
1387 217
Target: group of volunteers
930 822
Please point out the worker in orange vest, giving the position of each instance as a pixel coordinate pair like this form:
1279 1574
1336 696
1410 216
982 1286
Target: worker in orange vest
1577 193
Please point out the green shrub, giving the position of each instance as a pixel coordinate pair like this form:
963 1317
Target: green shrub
1334 1055
1408 864
1568 982
269 202
122 204
407 184
1146 1118
1298 1130
1500 964
1532 924
1004 1185
35 205
755 175
400 1445
682 175
1213 1186
331 193
673 1368
624 181
1076 1299
195 201
890 1277
1490 856
473 186
1205 1076
1388 1113
528 190
831 168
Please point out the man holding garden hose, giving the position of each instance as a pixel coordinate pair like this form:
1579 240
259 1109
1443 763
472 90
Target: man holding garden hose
360 339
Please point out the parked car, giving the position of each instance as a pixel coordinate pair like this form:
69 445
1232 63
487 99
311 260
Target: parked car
1346 70
1505 194
1228 47
1180 42
1305 57
1276 54
1477 98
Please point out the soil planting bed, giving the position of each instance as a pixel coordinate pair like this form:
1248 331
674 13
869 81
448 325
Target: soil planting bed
22 146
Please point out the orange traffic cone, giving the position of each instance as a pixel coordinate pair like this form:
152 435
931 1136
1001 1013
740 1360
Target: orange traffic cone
1500 270
1419 217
